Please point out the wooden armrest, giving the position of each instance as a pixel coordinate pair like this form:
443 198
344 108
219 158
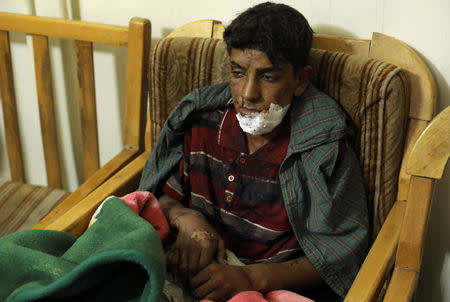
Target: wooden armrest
76 219
426 163
92 183
377 265
411 241
431 151
402 285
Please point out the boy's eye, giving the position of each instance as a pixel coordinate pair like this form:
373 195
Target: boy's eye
268 77
236 73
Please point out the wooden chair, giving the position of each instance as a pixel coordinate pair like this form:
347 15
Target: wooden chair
392 266
22 205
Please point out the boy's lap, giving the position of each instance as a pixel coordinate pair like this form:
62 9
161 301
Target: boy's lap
175 292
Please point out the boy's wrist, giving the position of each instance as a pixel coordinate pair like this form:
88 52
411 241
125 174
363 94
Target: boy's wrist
259 275
178 212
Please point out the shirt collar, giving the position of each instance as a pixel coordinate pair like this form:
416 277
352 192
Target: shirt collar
230 134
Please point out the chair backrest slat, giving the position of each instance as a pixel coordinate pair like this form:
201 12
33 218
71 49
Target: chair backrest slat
86 94
68 29
44 86
136 83
11 124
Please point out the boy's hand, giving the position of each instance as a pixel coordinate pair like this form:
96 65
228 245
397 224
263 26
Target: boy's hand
196 245
220 282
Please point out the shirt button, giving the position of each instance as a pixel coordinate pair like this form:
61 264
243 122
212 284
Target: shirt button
242 160
231 178
229 198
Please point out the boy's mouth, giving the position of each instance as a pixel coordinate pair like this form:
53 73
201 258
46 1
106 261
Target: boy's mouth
247 111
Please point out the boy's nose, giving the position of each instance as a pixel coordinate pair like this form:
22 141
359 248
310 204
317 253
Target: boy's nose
251 91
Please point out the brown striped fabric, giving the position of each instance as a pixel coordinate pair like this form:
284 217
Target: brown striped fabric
374 94
179 65
23 205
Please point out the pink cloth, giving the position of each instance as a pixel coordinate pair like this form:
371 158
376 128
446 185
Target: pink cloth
273 296
147 206
286 296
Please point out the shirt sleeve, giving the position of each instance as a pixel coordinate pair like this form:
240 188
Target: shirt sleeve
177 184
173 187
329 212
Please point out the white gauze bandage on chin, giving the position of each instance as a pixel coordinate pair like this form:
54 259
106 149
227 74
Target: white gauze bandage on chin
258 123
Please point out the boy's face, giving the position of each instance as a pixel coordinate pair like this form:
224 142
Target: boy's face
256 82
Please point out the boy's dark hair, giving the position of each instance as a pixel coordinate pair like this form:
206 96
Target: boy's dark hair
278 30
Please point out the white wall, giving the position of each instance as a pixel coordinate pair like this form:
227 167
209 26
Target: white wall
424 25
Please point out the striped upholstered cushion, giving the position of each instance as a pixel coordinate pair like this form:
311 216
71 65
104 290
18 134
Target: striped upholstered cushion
374 94
23 205
178 66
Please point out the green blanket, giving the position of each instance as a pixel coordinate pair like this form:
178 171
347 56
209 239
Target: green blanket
119 258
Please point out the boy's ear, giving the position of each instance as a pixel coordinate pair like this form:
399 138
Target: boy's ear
303 77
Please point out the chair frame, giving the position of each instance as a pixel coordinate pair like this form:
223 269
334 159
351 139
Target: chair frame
391 269
136 37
